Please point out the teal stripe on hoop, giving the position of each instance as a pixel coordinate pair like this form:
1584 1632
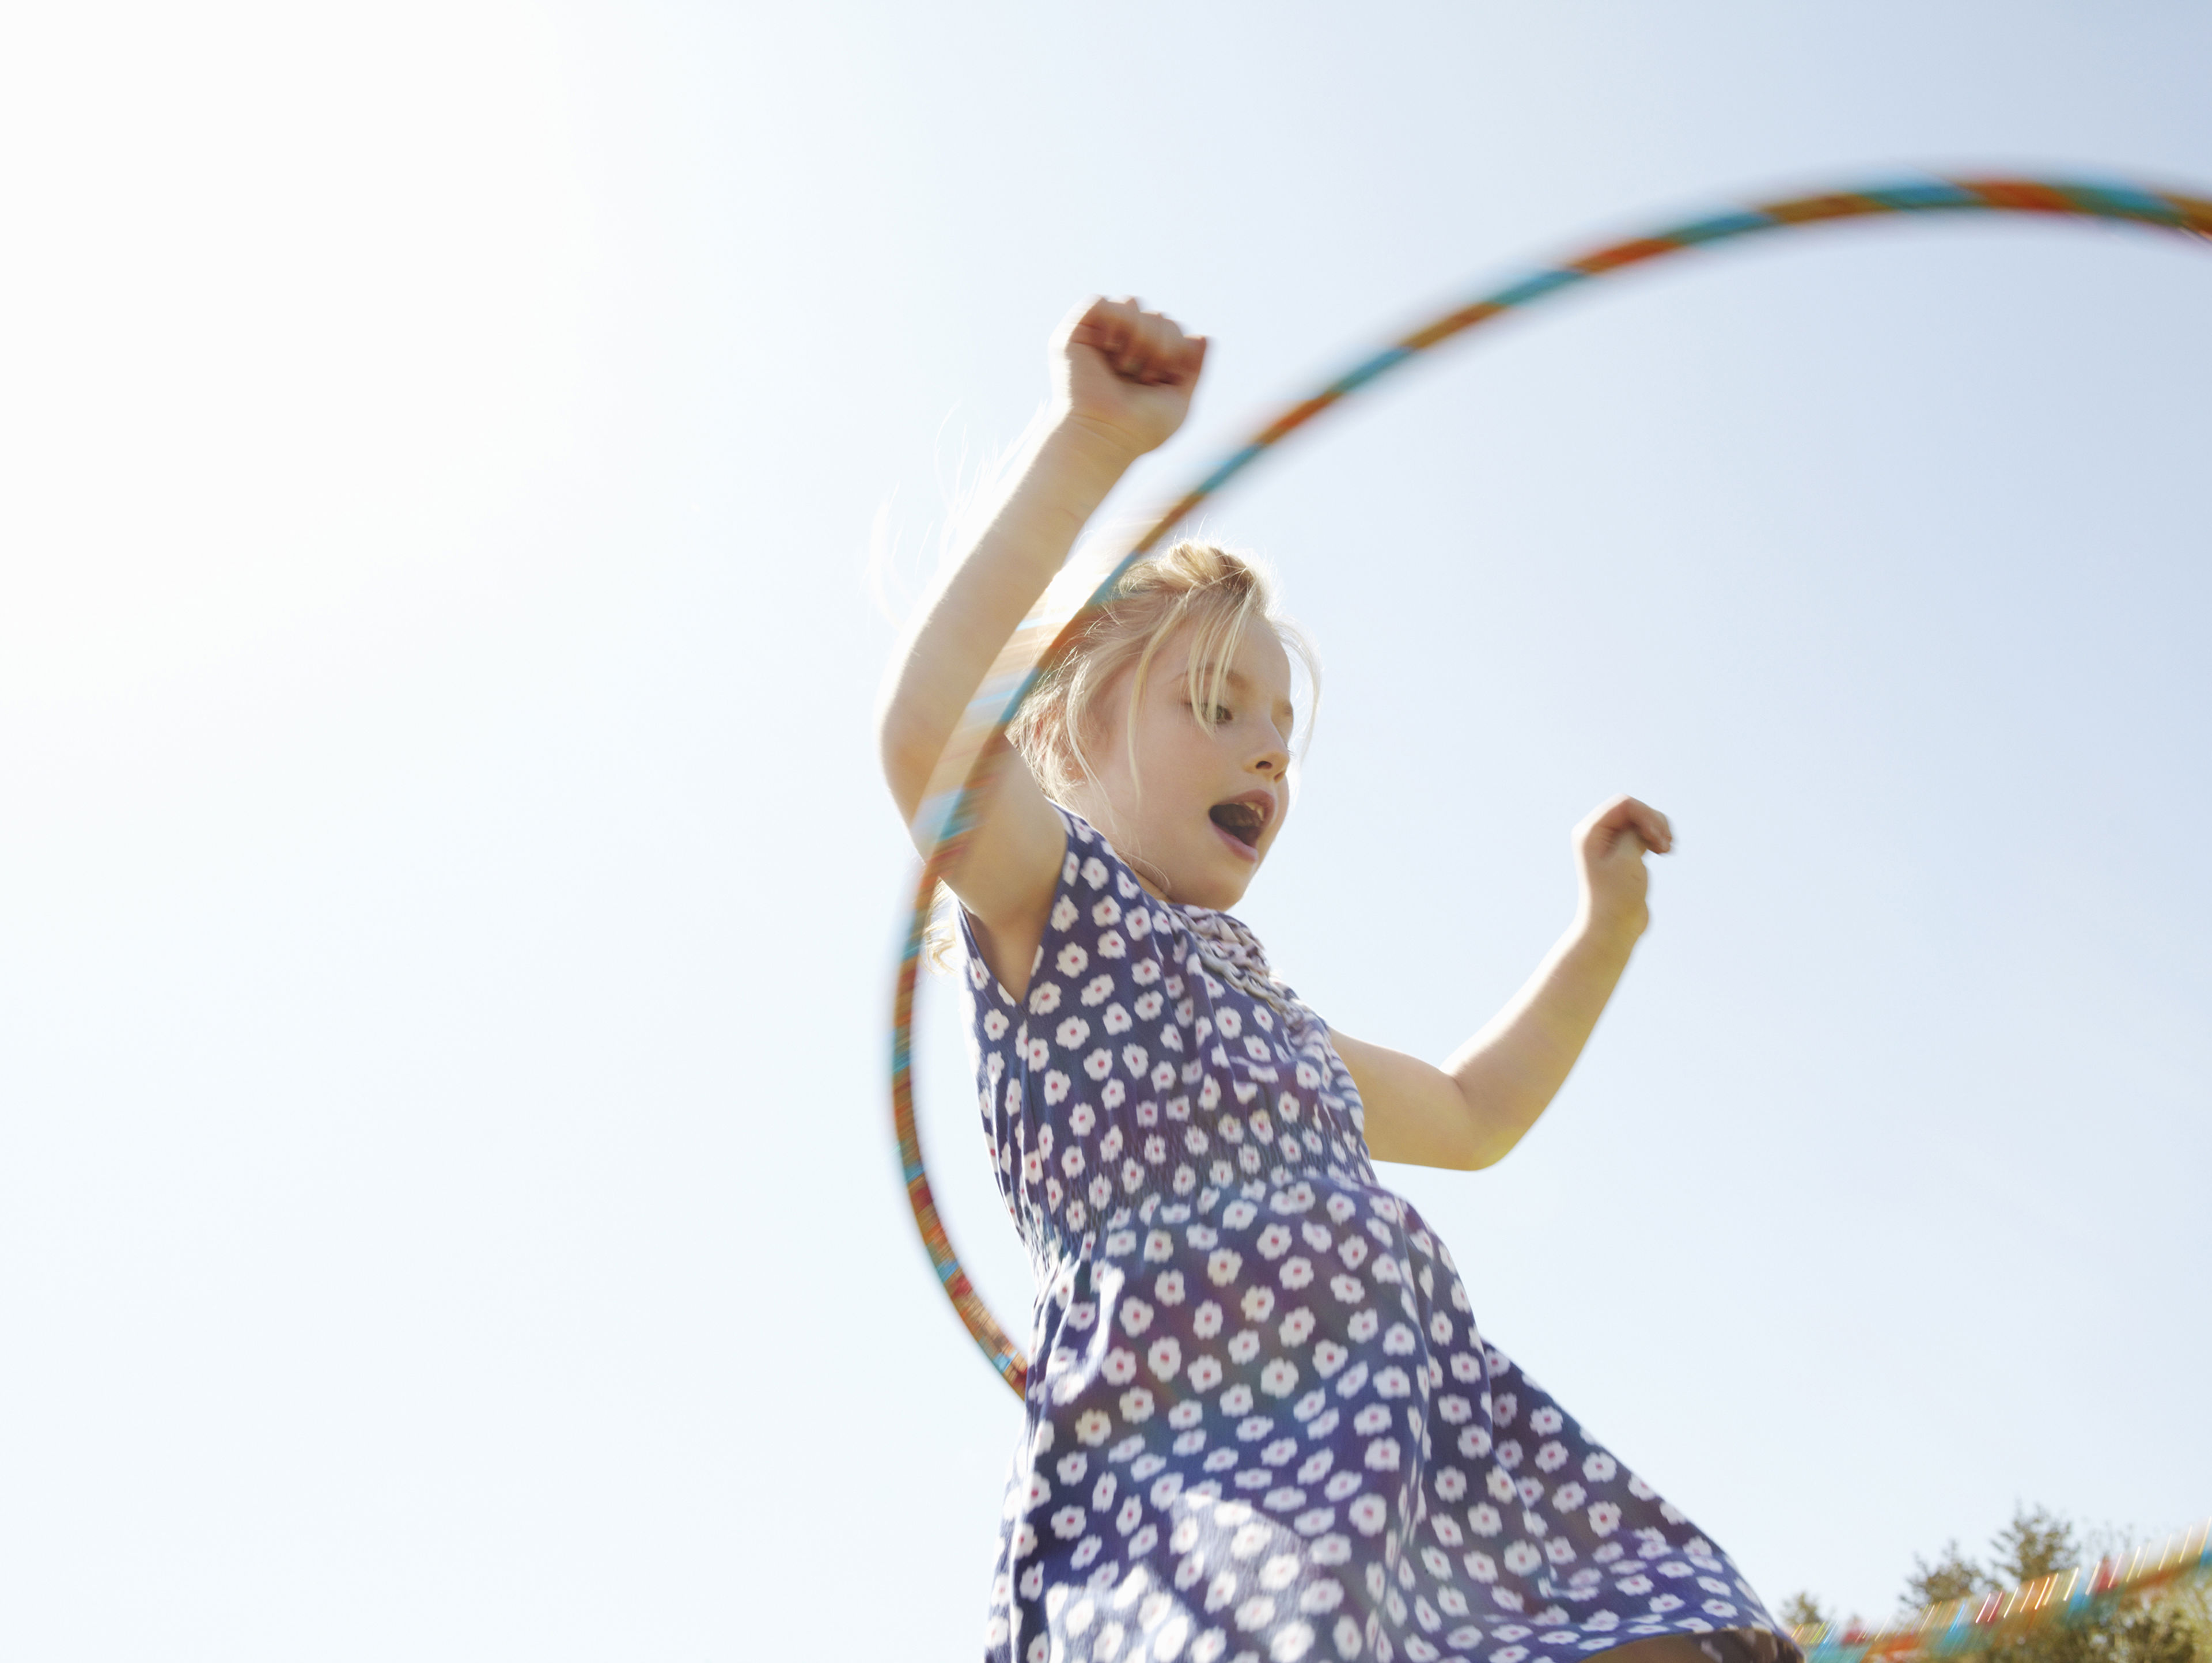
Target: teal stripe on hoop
1535 287
1237 462
2122 200
1388 358
1924 196
933 819
1720 226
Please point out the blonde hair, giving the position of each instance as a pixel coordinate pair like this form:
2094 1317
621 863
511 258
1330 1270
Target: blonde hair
1219 593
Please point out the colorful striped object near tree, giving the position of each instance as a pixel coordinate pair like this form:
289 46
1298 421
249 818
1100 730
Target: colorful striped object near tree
1981 1623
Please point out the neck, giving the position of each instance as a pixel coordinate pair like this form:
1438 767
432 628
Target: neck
1155 881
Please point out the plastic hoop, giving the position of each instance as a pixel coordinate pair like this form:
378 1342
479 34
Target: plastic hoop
955 795
1979 1621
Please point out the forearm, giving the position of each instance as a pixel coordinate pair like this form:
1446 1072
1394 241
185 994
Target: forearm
1474 1108
1510 1073
985 597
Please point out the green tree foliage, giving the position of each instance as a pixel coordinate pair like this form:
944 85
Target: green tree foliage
2174 1626
1953 1577
1800 1610
2037 1543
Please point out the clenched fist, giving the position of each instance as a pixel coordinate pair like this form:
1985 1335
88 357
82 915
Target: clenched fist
1126 373
1609 848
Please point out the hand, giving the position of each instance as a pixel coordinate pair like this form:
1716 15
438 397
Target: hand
1609 846
1126 373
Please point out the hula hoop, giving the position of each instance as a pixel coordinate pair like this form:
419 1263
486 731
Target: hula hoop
958 792
2068 1598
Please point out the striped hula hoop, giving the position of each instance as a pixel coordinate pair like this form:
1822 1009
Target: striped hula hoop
2069 1599
958 792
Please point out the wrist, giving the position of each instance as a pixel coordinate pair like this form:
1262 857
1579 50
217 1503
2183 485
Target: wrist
1095 443
1614 928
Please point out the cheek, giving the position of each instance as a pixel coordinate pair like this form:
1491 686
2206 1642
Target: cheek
1190 765
1167 742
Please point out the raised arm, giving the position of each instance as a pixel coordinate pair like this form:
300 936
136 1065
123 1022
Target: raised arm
1122 379
1474 1108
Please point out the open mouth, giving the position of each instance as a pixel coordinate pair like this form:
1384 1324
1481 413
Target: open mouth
1243 820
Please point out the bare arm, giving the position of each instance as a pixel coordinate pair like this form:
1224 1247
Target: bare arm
1123 380
1474 1108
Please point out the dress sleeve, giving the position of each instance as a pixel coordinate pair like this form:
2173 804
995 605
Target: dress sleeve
1101 943
1102 922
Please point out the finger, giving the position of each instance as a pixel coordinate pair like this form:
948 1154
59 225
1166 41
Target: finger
1164 348
1096 314
1102 324
1147 348
1649 824
1184 356
1139 349
1653 826
1104 331
1135 352
1153 344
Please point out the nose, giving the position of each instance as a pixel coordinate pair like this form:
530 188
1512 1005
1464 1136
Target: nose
1272 759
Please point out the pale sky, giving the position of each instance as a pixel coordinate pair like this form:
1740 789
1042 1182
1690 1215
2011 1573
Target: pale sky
447 899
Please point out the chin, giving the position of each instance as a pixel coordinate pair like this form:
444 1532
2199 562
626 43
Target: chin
1218 892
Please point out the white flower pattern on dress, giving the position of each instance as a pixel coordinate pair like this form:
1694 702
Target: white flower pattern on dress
1274 1439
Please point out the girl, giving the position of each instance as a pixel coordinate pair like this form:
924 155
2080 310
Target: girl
1261 1424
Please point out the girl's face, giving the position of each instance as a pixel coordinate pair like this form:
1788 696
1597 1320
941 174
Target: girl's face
1204 807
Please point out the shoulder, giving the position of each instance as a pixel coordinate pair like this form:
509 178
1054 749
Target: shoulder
1090 863
1097 910
1099 894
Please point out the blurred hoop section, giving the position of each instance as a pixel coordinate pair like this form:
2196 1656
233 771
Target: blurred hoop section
1978 1623
959 791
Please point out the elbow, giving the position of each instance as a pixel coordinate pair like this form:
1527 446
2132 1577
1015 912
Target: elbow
907 760
1486 1138
1473 1154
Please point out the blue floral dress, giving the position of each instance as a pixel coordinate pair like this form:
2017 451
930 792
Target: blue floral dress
1260 1422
